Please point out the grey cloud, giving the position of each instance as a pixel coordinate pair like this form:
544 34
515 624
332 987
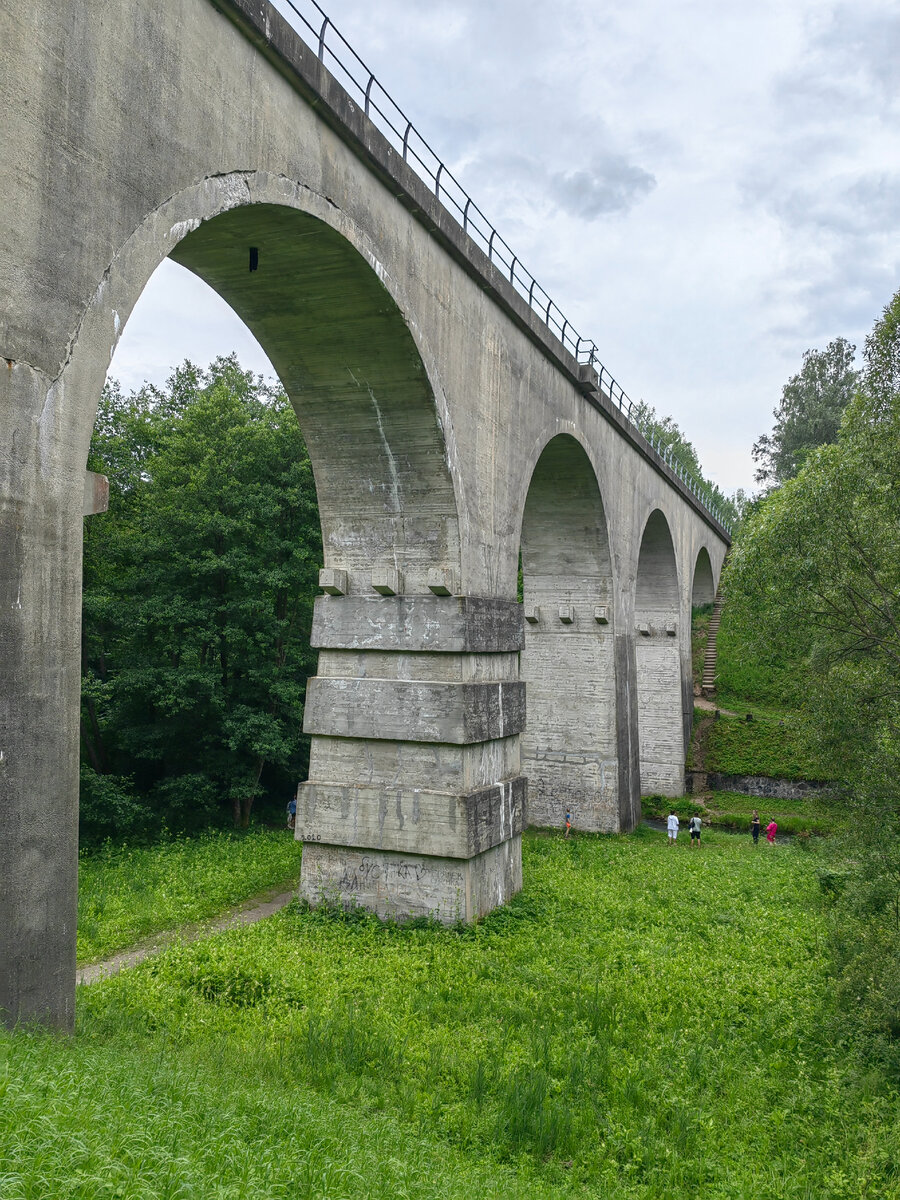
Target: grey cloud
869 204
610 185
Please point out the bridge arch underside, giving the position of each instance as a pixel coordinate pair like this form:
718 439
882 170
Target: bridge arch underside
658 640
703 588
569 746
412 802
345 356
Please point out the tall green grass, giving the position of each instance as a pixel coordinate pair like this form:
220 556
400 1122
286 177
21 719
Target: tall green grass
642 1022
129 892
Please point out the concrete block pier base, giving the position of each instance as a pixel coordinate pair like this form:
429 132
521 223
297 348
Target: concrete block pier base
415 803
400 886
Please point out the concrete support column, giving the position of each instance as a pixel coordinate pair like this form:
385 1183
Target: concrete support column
415 802
570 748
660 704
41 497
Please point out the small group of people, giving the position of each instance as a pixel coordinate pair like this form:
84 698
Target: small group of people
756 825
695 825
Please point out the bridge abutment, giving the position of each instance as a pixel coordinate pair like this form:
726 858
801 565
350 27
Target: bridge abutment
415 802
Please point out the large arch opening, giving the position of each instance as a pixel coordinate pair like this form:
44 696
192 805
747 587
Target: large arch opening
658 661
569 747
344 354
703 589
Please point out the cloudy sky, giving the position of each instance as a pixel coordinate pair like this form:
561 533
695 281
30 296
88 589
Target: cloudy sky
706 188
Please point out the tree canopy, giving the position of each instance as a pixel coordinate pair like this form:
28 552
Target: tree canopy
198 590
809 414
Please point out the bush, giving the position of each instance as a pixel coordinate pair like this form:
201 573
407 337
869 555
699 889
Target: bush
109 808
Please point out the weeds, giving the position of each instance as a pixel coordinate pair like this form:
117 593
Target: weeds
129 892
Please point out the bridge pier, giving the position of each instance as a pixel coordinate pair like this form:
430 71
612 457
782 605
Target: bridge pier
415 802
41 497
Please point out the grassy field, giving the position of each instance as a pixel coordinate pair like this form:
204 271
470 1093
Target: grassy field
127 892
642 1022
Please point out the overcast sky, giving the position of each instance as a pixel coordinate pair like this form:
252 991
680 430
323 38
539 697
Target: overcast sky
706 188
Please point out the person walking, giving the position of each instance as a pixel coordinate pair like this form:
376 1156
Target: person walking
672 827
755 827
771 830
568 823
292 812
694 826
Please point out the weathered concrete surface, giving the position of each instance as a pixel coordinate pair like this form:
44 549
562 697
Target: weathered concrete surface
418 623
399 885
432 401
412 711
411 820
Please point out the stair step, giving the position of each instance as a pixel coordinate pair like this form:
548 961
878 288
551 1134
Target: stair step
708 677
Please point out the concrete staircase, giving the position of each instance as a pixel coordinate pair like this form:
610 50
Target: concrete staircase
708 680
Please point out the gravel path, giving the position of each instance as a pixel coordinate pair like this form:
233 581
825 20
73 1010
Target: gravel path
247 914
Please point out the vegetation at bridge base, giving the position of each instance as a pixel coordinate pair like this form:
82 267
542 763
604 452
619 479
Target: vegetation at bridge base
198 591
813 599
638 1023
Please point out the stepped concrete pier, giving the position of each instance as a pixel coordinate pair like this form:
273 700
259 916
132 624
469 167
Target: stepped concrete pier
450 425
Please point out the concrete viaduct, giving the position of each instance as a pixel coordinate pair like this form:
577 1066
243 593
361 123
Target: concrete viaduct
450 427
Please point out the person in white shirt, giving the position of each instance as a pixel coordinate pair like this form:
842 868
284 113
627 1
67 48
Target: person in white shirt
672 826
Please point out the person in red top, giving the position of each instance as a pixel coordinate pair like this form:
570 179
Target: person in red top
771 830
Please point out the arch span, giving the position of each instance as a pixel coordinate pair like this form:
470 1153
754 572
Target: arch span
658 661
348 359
703 587
337 329
569 747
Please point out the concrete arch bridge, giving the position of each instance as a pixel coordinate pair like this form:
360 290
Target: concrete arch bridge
452 420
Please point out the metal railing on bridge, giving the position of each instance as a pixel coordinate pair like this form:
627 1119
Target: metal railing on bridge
335 52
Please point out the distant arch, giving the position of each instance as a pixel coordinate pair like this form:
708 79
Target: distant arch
703 588
658 660
569 749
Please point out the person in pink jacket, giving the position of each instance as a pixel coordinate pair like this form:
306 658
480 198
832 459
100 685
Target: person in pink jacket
771 830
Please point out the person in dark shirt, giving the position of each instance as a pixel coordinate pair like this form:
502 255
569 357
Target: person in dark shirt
754 827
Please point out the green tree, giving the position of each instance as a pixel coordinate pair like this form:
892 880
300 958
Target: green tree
814 581
809 415
199 585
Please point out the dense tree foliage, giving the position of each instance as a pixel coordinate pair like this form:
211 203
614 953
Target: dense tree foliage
198 589
814 580
809 415
666 435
